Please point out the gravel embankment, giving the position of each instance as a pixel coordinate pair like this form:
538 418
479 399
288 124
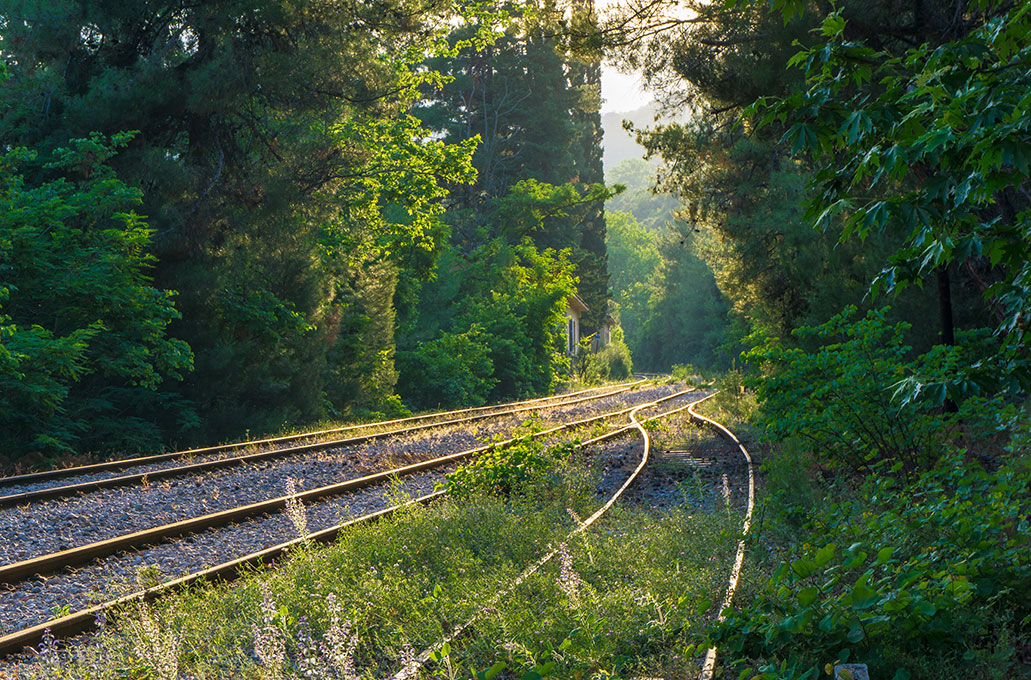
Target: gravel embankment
687 465
50 526
134 469
35 601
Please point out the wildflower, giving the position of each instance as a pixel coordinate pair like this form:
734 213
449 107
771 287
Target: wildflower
409 663
308 661
339 642
269 645
726 491
157 647
295 509
568 580
48 651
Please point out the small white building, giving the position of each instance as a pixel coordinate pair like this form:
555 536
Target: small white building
604 334
575 307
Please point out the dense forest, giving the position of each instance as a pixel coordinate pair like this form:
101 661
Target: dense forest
247 216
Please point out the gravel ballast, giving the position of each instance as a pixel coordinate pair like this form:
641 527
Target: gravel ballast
37 600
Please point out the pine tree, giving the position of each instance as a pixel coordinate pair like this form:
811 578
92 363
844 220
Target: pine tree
272 145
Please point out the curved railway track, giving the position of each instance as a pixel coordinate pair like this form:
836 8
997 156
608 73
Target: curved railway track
65 525
411 670
709 665
66 490
82 620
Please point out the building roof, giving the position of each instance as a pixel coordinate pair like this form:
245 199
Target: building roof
576 303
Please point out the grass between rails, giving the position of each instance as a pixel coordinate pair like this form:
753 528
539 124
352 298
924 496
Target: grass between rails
625 600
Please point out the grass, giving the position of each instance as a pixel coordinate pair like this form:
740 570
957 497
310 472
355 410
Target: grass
629 598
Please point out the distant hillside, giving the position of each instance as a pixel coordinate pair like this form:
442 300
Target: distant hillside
619 145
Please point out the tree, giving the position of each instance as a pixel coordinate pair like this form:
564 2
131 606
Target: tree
931 146
277 163
509 297
634 263
534 107
739 184
85 359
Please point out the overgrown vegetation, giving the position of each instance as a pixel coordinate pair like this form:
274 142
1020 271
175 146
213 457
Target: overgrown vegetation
621 599
409 235
838 155
438 202
918 577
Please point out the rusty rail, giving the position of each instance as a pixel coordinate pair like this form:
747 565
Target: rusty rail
206 466
33 477
85 620
49 563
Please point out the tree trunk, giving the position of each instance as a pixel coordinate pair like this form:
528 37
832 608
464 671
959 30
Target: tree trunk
948 330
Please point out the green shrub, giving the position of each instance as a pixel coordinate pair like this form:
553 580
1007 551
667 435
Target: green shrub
85 357
453 370
509 470
836 399
913 579
613 362
685 373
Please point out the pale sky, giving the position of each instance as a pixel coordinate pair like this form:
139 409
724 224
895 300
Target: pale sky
621 92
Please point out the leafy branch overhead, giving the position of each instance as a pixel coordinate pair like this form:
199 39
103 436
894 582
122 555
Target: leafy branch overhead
932 145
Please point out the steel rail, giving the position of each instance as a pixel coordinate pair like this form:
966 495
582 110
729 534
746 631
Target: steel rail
85 620
51 562
709 665
411 669
220 463
33 477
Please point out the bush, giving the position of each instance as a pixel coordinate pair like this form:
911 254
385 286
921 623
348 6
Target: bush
837 398
917 580
510 470
453 370
85 357
613 362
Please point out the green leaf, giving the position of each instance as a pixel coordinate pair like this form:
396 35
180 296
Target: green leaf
926 608
494 670
864 597
833 26
703 606
803 567
824 555
807 596
883 555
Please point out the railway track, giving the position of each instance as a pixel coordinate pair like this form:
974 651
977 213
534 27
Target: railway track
52 526
50 563
282 447
411 669
709 665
